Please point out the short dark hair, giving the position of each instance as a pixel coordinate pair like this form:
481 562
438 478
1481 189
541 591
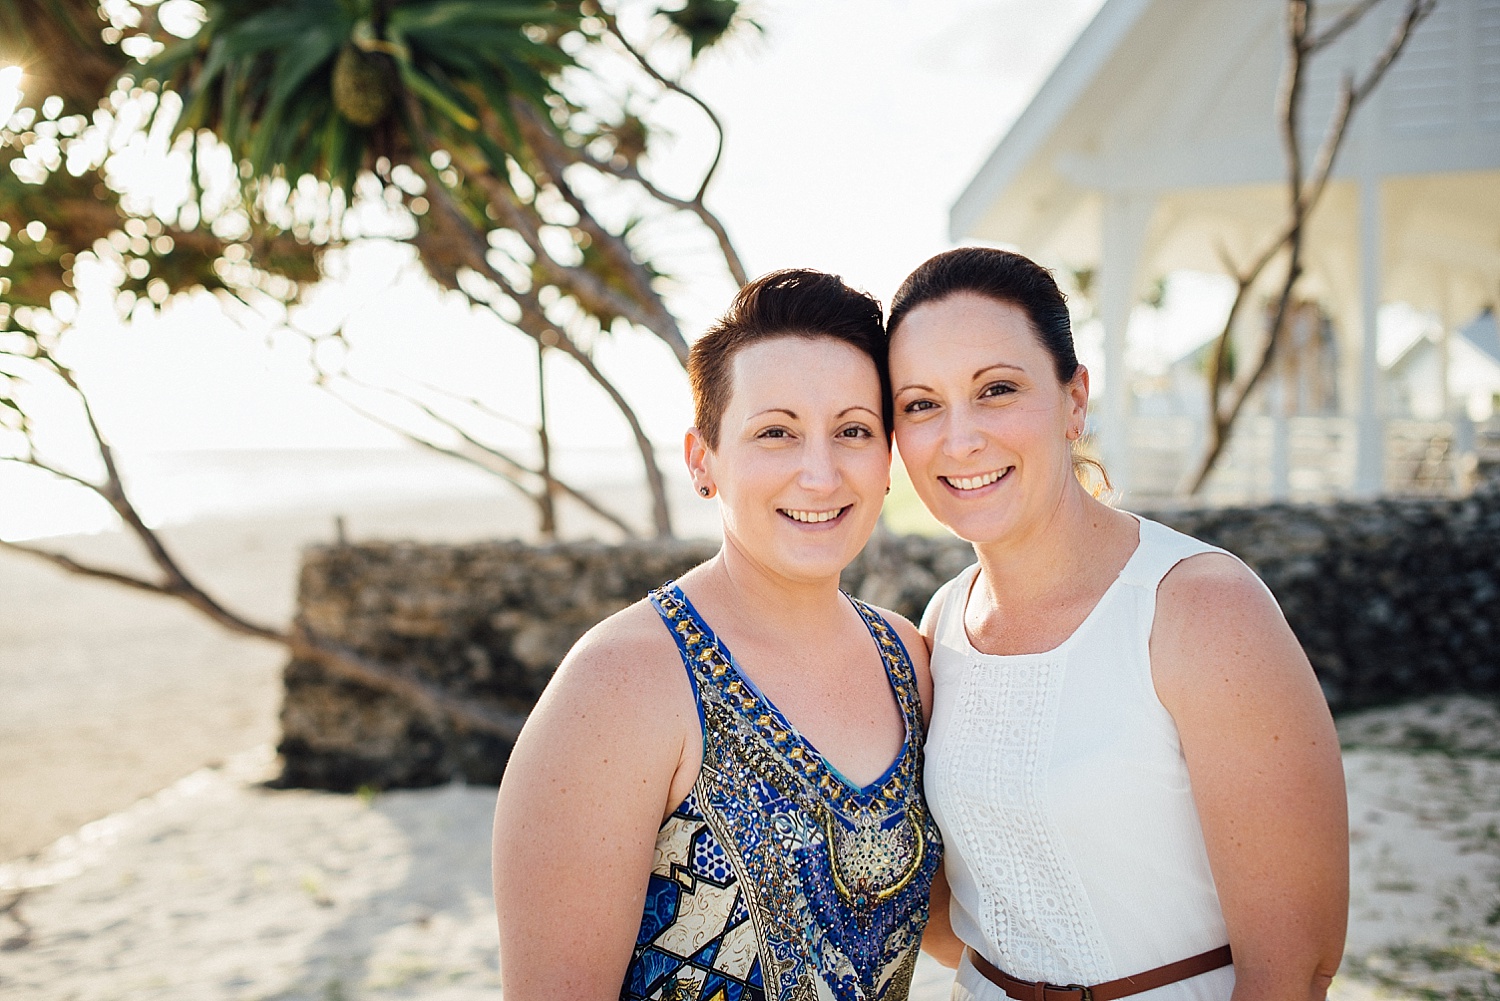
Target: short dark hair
1004 277
796 302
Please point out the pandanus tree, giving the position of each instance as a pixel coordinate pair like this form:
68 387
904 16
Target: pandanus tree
503 137
514 121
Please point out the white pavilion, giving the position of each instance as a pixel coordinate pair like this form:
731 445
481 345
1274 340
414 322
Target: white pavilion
1153 147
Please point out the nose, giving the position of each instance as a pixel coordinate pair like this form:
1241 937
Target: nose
819 472
961 437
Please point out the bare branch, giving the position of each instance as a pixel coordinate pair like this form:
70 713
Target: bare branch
630 172
473 403
1227 261
403 682
534 322
1416 11
613 25
1303 197
482 454
545 144
112 490
473 249
1343 23
507 466
589 289
87 570
62 474
1299 12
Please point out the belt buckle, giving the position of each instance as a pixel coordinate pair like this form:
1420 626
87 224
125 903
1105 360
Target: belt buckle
1085 993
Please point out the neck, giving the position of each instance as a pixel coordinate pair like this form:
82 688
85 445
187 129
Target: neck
781 605
1051 553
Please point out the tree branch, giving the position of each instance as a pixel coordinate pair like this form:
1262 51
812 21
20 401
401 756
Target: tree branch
488 454
438 705
87 570
1343 23
473 251
622 259
628 171
613 24
1303 197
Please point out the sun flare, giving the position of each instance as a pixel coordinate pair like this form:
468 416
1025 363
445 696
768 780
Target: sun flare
10 92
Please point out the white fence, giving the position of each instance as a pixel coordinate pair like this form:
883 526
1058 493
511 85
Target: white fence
1306 459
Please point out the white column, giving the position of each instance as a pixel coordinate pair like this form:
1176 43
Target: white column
1445 346
1369 445
1280 399
1125 217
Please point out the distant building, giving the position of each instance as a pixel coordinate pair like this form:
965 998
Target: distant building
1154 147
1417 387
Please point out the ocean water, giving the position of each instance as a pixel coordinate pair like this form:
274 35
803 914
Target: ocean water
184 486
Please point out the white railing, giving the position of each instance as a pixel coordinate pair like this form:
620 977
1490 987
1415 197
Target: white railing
1302 459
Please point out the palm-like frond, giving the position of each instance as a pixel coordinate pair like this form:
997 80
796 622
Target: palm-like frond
263 76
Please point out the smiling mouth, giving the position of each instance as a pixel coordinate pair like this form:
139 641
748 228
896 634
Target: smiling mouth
965 483
813 517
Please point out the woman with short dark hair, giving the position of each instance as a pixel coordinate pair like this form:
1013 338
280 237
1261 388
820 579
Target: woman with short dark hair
1135 773
680 822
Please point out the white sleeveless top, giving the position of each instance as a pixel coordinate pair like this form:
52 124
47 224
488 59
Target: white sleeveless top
1073 845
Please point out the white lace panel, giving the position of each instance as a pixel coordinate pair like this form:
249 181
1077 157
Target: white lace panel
993 791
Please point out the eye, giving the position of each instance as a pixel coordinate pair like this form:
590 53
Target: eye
856 431
774 433
995 389
918 406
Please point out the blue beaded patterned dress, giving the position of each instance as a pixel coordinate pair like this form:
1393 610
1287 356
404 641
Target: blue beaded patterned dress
777 879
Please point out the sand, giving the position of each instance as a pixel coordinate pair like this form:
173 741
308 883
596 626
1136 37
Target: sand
112 694
147 860
220 888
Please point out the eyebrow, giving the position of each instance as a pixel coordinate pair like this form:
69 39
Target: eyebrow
793 414
999 364
975 376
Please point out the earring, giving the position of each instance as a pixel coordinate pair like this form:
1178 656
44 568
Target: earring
703 491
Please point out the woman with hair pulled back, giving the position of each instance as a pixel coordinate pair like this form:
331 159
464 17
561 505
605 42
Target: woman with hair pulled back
1134 770
681 822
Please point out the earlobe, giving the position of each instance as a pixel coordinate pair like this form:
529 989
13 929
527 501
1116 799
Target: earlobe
695 453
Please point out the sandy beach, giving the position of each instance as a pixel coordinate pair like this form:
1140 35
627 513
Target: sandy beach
113 694
142 857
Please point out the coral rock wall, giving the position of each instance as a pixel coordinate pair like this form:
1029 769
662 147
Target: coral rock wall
1391 599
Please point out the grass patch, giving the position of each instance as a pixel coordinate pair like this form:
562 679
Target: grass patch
1465 971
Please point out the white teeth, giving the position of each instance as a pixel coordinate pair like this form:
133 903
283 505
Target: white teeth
813 517
974 482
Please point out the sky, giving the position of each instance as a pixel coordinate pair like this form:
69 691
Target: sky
851 127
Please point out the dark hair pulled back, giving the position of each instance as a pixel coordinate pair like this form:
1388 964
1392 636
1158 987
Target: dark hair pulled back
1004 277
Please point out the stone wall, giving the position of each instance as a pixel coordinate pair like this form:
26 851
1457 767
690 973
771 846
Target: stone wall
1391 599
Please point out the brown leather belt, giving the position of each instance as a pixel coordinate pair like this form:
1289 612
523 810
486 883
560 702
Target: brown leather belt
1029 990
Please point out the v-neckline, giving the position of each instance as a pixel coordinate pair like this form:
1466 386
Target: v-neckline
809 747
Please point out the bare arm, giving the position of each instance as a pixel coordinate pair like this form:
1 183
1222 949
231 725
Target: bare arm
584 794
1267 778
938 941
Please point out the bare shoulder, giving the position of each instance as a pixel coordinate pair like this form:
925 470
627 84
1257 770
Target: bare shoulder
1205 594
1214 576
627 660
1218 626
